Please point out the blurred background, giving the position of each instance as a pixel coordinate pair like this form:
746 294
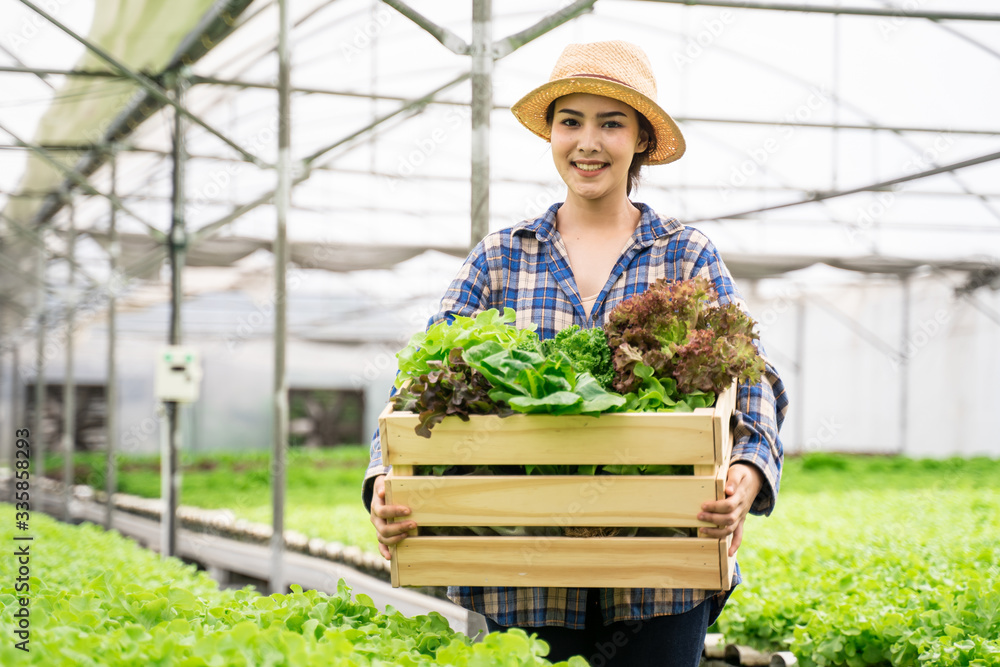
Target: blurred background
844 164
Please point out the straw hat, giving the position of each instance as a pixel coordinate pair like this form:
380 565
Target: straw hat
618 70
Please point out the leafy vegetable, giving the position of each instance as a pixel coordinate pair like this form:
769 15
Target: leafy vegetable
450 387
656 395
875 568
667 349
441 338
587 349
530 382
123 606
888 599
675 329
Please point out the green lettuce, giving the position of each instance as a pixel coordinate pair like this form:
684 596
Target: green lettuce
532 383
436 343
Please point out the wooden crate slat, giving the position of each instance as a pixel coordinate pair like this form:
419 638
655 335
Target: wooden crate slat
727 564
721 476
612 562
720 424
393 561
641 438
556 500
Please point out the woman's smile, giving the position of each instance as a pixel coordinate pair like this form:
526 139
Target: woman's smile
589 168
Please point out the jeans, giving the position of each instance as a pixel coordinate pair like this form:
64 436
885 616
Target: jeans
667 641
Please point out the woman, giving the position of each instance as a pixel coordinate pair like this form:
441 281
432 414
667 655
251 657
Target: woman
571 266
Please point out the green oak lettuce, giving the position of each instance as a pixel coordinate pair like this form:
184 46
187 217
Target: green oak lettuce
442 337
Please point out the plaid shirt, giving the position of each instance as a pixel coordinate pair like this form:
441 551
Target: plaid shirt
526 267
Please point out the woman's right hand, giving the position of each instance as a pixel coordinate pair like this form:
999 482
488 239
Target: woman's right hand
388 532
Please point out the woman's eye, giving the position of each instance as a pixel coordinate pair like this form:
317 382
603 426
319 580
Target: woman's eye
614 123
569 121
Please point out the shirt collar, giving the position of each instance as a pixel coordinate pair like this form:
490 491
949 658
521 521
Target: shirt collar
651 225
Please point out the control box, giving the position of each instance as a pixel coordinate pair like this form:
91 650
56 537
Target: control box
178 374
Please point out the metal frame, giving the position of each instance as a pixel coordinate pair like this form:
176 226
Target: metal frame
850 11
282 199
881 185
147 84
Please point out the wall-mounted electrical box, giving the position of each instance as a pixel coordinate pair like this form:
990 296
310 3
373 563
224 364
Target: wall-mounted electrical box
178 374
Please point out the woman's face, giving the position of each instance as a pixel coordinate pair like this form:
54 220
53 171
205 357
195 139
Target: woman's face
593 141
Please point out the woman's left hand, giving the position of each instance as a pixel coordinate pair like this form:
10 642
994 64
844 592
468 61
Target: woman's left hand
742 485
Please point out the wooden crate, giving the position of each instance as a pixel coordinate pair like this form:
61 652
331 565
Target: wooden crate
702 439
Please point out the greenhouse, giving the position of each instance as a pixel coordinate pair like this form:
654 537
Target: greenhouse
222 225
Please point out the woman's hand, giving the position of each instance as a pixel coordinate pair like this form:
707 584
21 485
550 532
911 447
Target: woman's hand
388 533
742 485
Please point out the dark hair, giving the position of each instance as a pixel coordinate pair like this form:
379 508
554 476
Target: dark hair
638 159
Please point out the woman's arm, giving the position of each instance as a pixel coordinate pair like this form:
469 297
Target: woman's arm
761 407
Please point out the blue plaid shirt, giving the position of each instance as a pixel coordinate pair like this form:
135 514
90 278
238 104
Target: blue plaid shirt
526 267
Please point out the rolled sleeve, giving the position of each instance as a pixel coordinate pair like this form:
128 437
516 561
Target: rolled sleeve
760 409
375 468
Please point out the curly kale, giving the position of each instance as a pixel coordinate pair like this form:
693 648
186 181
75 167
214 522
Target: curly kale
679 331
588 351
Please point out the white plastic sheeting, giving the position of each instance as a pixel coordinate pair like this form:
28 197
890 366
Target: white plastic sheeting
856 361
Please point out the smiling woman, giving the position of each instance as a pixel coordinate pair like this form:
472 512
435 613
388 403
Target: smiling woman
573 265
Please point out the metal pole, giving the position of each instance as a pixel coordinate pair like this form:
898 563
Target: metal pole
16 396
411 104
4 436
851 11
281 201
904 367
511 43
450 40
178 246
111 384
40 393
42 72
835 135
69 380
800 375
482 102
373 82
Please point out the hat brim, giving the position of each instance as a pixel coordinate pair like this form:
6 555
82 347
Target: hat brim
530 111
